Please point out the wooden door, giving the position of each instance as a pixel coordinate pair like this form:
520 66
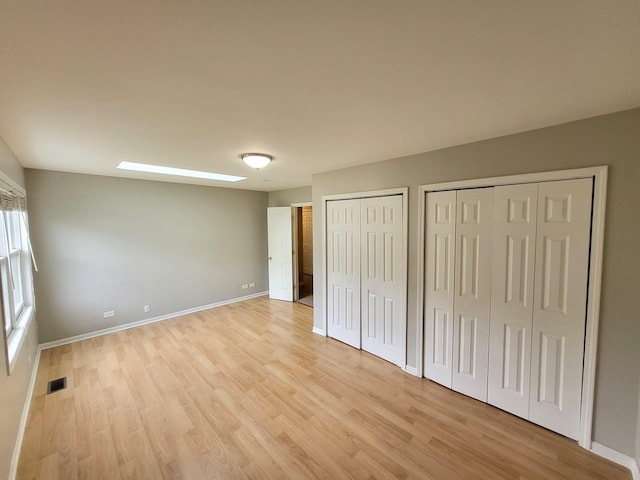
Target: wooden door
307 241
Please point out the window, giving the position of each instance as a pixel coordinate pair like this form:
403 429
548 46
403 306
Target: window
16 284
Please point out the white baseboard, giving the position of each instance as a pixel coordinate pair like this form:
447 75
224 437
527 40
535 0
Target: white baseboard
13 469
411 370
146 321
319 331
617 457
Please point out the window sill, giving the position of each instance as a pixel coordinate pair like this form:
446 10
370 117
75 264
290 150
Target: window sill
17 336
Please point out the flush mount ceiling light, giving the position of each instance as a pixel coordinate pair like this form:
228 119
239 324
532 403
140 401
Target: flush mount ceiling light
182 172
256 160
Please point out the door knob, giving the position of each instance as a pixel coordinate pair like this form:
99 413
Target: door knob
270 258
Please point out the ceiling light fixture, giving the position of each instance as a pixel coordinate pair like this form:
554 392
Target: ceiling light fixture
182 172
256 160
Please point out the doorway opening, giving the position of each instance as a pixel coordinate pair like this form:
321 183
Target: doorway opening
304 260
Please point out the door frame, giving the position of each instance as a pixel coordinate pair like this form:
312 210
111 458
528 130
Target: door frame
402 191
294 229
599 176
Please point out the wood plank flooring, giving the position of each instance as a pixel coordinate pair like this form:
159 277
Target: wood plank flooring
247 391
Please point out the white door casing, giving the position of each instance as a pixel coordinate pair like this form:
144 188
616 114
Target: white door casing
514 240
439 285
343 271
382 288
472 299
560 304
280 251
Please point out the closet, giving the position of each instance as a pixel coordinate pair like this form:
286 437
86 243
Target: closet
366 292
506 277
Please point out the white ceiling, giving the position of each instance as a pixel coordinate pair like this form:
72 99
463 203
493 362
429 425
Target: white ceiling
318 84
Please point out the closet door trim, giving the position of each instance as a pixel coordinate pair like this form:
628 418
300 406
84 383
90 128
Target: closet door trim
404 192
599 176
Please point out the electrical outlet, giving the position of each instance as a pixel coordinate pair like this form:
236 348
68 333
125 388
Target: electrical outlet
245 286
109 314
146 308
252 284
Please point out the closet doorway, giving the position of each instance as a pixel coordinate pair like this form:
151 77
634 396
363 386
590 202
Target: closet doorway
509 292
303 260
365 269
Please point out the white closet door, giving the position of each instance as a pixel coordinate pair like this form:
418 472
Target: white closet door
472 300
560 298
514 240
343 271
383 296
439 285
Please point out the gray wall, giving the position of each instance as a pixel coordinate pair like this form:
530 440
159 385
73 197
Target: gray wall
284 198
13 389
612 140
105 243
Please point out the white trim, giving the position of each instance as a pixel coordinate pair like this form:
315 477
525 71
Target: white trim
516 179
599 174
593 307
16 337
617 457
319 331
368 194
302 204
422 196
411 370
404 192
12 185
324 327
146 321
294 257
13 469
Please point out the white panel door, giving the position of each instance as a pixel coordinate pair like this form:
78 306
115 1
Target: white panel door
343 271
514 240
383 295
472 299
439 285
560 298
280 253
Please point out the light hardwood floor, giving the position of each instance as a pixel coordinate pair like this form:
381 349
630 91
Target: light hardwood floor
247 391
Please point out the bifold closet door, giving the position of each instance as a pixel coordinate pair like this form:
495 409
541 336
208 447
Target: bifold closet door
560 302
383 296
514 246
440 248
343 271
472 299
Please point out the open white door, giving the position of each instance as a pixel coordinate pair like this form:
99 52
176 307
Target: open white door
280 253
